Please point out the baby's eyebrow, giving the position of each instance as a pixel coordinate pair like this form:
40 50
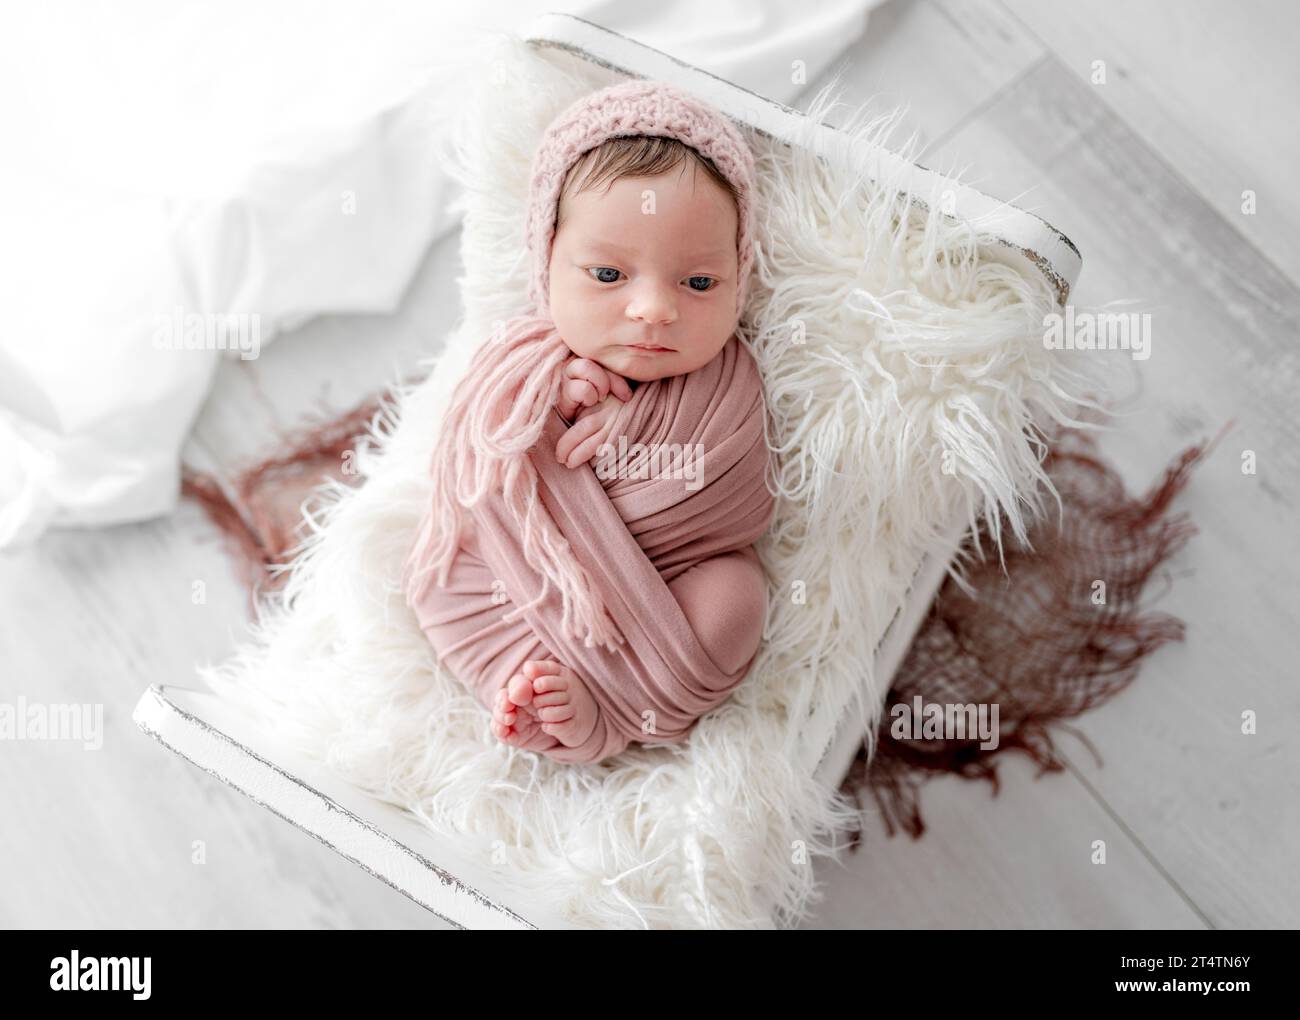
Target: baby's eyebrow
619 249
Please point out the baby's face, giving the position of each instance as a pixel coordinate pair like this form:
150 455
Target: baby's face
650 261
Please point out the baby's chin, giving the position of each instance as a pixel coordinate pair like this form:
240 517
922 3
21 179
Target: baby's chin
649 365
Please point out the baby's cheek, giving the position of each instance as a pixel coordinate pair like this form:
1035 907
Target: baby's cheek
574 325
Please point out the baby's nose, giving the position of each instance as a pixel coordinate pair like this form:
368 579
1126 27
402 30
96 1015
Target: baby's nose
653 302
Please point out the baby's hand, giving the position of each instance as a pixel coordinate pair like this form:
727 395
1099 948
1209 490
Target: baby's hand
586 383
583 439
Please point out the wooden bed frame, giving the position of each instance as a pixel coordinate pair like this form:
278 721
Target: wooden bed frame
387 841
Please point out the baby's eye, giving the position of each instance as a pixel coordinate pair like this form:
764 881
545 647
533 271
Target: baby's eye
601 273
708 282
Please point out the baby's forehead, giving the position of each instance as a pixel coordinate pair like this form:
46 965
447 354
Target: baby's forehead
616 207
695 240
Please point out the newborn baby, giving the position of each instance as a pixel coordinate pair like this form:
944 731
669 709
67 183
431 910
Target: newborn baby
586 605
643 283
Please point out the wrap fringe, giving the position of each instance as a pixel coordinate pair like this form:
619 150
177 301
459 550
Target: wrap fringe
497 414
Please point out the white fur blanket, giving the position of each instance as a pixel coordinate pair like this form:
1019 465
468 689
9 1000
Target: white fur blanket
904 375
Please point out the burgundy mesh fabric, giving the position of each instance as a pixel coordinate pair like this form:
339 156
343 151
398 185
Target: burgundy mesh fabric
1032 640
258 511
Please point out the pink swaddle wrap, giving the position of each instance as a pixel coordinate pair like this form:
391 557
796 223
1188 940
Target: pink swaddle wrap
566 563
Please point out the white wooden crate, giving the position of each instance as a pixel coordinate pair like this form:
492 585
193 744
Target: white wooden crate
392 845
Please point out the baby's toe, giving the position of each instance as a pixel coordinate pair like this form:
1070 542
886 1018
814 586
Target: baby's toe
534 669
503 711
547 699
560 683
520 690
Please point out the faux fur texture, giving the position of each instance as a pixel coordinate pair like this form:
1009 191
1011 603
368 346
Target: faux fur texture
884 339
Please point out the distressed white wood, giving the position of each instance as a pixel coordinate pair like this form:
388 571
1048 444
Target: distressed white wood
128 836
382 840
973 50
1210 86
1022 859
837 730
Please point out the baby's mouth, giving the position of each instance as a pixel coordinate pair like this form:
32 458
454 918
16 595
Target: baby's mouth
650 348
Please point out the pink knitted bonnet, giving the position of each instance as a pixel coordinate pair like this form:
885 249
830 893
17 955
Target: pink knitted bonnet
634 108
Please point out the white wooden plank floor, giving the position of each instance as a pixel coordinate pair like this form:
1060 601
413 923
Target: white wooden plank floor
1145 174
1201 823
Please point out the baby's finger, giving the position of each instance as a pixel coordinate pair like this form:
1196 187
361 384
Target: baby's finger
581 392
587 449
587 370
573 436
619 386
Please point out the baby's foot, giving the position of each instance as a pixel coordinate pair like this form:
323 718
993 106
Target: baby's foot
514 718
561 702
